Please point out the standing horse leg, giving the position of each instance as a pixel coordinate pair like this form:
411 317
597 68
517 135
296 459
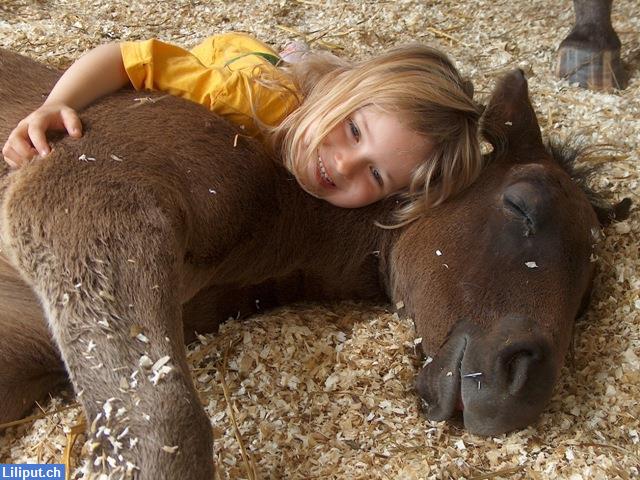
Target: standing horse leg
108 278
30 365
590 55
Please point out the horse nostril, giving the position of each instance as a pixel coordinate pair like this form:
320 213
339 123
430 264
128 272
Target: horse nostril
518 368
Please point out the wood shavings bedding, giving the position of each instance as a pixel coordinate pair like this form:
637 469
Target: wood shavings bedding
327 391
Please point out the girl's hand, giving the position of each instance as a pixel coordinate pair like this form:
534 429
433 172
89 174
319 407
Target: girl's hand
97 73
29 138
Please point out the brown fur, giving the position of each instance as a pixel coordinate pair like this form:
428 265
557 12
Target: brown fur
188 229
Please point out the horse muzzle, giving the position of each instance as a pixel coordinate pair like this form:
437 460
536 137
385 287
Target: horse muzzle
501 379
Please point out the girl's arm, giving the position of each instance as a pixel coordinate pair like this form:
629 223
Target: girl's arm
97 73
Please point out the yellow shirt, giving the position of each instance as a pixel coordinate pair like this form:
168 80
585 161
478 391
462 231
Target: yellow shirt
220 73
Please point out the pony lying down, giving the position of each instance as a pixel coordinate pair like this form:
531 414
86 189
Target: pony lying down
94 250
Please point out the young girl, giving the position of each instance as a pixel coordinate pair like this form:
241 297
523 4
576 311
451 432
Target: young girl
351 134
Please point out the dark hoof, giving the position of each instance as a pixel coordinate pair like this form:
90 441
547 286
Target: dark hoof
592 69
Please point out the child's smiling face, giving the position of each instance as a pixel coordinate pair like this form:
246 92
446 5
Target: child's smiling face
365 158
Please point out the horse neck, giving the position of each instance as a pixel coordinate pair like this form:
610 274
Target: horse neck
335 252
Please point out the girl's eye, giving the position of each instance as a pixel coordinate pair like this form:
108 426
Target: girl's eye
376 176
353 128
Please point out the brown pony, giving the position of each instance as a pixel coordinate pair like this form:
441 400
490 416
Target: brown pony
161 221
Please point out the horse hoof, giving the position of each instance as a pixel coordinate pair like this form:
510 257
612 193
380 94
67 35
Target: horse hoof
595 69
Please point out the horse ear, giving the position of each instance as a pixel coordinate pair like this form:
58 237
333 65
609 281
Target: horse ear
617 212
509 121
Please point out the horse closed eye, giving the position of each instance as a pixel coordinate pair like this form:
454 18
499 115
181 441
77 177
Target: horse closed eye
515 205
518 207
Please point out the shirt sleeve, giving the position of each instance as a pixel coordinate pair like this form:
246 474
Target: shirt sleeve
156 65
249 69
223 73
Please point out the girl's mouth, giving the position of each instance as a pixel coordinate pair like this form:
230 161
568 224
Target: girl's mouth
323 176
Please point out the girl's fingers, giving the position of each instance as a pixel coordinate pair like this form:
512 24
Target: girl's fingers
9 156
10 162
14 159
30 136
38 137
20 145
71 122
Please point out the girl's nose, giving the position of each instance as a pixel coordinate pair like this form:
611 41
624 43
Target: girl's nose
346 165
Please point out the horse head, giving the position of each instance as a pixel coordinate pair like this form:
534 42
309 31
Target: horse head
508 266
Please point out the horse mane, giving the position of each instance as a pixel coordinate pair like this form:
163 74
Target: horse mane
572 156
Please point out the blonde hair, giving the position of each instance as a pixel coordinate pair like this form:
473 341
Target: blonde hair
419 84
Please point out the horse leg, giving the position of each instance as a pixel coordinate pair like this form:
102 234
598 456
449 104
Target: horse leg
108 278
30 365
590 54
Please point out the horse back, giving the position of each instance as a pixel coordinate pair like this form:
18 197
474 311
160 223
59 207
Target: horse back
24 85
212 186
